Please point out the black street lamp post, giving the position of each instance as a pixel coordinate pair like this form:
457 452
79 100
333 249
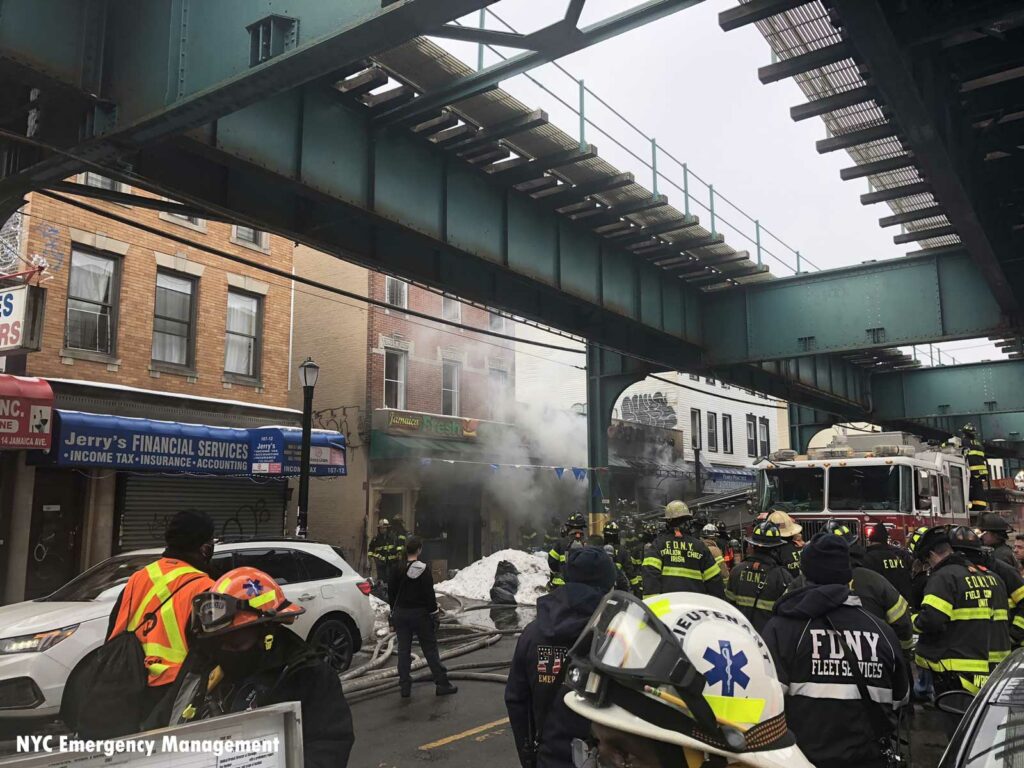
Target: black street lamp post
308 373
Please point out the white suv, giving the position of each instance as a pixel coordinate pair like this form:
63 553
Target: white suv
42 640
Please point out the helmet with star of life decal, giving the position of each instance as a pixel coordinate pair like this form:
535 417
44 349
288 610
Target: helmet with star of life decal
242 597
741 687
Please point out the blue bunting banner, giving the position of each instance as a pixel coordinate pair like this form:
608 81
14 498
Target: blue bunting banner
559 471
579 473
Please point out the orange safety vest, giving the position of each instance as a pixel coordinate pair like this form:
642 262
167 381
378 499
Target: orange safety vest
164 645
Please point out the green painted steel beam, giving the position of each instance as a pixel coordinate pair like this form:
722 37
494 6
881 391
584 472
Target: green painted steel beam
994 387
912 300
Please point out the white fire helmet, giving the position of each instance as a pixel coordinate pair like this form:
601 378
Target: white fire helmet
623 661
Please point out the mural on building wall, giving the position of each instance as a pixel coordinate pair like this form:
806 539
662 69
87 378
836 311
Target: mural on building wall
652 410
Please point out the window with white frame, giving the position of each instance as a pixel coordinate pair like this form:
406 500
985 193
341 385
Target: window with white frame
92 303
242 341
451 309
726 433
712 431
695 429
249 235
396 292
450 388
498 395
395 364
751 435
766 445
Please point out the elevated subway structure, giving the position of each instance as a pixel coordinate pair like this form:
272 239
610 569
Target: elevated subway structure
446 180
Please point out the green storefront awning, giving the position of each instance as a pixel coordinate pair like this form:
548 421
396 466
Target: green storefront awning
385 446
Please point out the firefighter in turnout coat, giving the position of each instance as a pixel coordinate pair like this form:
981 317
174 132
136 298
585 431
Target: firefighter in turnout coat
827 650
760 580
967 543
954 619
676 561
576 537
974 452
994 533
789 553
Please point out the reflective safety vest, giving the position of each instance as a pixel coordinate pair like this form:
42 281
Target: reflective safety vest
163 642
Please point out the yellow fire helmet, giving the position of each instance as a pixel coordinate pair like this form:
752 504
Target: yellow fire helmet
686 669
788 527
676 510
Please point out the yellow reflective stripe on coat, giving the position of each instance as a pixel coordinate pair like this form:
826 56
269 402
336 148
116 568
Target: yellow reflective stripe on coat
557 555
652 562
1000 615
682 573
971 614
953 665
940 605
895 613
1018 621
907 644
1016 596
995 657
749 602
711 572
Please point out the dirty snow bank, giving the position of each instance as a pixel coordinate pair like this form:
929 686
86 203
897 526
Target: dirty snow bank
475 581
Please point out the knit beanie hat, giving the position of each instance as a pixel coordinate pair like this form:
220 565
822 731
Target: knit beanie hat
879 535
188 530
589 565
826 560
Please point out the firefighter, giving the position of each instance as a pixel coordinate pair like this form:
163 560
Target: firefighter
576 536
384 550
241 628
974 452
620 556
760 580
709 535
676 561
725 544
967 543
877 595
842 667
789 554
954 619
892 563
177 576
723 706
552 533
994 533
648 532
527 537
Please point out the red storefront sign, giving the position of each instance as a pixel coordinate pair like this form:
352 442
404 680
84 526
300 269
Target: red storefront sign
26 413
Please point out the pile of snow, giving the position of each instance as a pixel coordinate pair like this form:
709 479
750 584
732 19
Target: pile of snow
381 611
475 581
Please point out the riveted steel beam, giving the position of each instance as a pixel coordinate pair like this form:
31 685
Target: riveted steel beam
912 300
974 388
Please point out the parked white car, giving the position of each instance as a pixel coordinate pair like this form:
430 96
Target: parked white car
41 641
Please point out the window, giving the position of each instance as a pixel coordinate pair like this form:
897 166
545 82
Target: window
394 378
694 377
278 564
709 380
396 292
92 300
174 319
766 446
242 340
101 182
751 435
864 488
451 309
450 388
498 379
712 431
249 235
724 385
695 442
726 433
496 322
316 569
193 220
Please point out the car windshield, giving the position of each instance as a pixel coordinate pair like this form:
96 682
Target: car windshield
104 582
998 739
864 487
795 489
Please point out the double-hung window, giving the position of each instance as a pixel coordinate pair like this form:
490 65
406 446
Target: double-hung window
174 320
92 303
242 338
395 361
712 431
450 388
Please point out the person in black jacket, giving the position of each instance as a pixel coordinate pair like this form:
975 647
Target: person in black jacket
894 563
575 536
414 611
543 727
994 533
760 580
261 662
829 652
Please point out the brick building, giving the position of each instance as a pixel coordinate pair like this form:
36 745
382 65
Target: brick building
177 355
422 403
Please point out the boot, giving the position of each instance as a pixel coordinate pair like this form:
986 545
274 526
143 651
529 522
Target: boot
446 690
406 690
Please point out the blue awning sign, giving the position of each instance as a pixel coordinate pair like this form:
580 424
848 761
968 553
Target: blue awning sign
99 440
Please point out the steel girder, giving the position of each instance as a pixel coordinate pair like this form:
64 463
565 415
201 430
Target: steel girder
957 390
912 300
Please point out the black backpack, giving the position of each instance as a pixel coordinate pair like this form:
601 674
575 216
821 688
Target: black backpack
103 697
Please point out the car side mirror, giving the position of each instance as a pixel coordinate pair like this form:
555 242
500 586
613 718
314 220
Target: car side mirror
954 702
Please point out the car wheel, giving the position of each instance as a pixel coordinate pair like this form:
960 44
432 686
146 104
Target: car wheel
333 638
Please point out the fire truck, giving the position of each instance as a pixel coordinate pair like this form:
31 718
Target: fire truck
883 478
